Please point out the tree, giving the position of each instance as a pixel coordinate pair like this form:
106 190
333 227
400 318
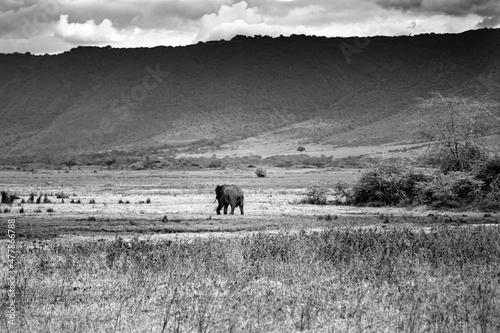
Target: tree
70 163
455 130
110 162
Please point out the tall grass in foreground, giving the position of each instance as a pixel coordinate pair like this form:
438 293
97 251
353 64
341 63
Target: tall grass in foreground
445 280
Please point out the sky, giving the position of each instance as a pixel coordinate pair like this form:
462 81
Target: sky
55 26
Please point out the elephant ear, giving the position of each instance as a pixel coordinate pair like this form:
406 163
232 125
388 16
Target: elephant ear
218 189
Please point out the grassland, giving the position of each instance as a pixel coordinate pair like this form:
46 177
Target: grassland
282 267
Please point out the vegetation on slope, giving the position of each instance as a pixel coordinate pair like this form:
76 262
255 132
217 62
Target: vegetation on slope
77 101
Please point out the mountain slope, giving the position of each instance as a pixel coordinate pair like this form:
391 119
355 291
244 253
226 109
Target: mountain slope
93 99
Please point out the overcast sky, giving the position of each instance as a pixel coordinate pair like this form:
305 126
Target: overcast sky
54 26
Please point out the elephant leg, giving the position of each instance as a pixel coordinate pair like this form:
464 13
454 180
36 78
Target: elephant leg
241 206
225 208
234 203
219 207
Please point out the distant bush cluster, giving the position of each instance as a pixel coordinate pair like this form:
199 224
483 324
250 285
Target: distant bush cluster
166 159
398 185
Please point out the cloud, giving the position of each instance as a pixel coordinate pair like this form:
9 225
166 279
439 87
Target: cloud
487 10
33 25
27 19
230 21
88 32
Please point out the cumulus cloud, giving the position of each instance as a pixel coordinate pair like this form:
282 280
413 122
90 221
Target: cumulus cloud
88 32
487 10
27 19
230 21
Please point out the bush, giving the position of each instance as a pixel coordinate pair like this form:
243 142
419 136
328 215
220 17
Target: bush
387 185
448 190
316 195
343 194
327 217
489 173
261 172
215 164
301 149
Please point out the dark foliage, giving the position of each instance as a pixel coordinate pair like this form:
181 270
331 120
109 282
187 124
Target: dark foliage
387 185
489 173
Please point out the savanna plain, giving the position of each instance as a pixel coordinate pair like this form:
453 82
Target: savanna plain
144 251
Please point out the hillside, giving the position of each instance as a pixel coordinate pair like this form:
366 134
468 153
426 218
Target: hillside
298 88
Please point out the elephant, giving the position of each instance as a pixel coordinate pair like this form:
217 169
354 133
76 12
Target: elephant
229 195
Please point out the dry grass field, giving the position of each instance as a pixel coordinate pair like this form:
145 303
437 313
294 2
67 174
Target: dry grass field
281 267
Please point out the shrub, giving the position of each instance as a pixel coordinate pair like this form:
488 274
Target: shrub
301 149
448 190
327 217
92 201
215 164
283 163
490 201
343 194
50 210
148 200
489 173
387 185
316 195
261 172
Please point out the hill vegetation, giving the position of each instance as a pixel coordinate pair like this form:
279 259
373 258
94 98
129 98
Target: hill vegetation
301 88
